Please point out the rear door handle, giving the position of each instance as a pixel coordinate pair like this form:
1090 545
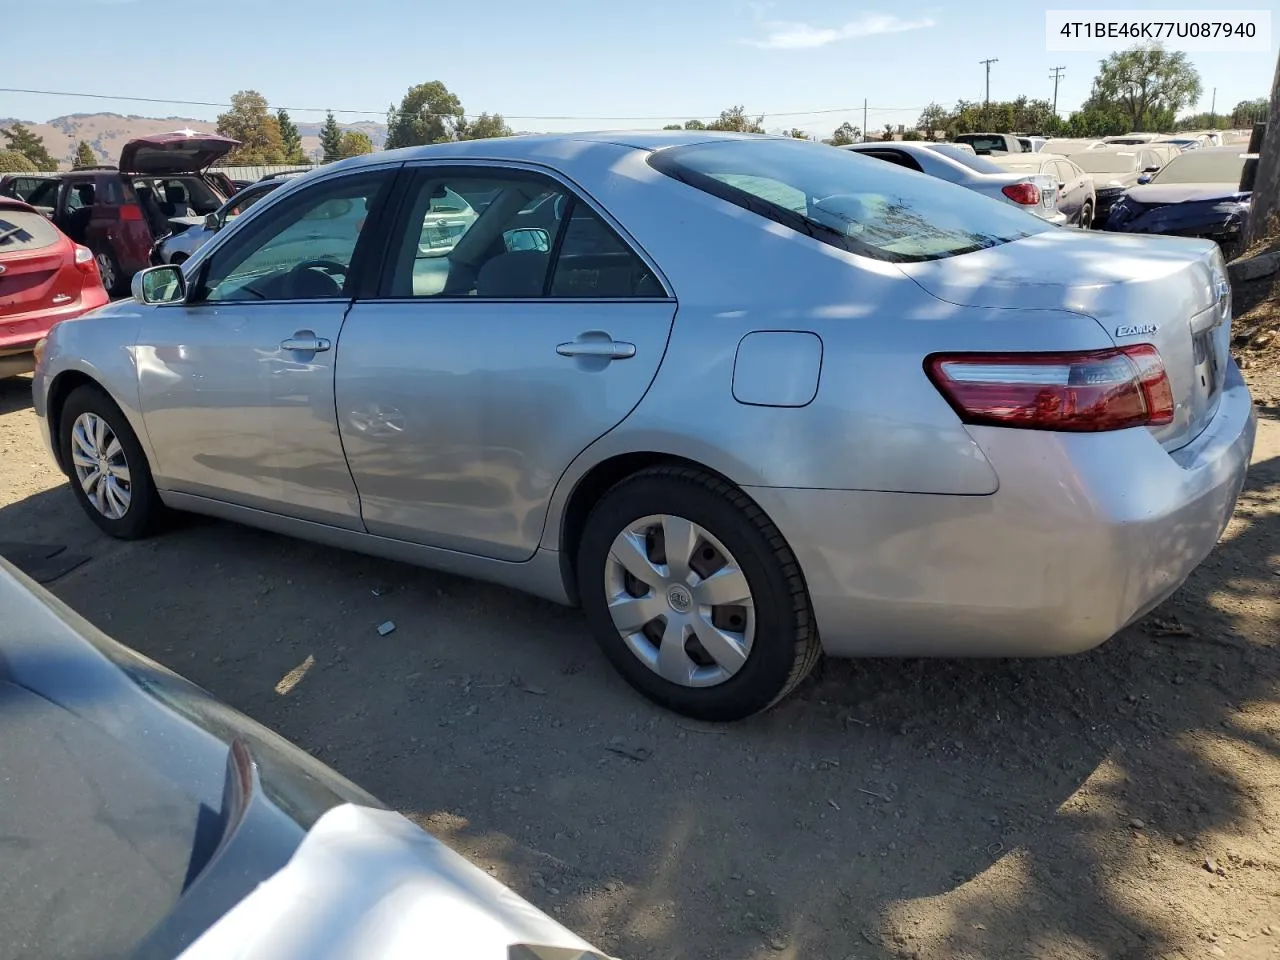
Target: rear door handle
605 349
304 341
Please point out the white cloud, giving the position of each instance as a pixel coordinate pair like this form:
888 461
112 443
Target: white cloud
790 35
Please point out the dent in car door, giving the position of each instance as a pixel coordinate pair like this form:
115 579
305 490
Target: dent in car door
459 418
237 391
505 347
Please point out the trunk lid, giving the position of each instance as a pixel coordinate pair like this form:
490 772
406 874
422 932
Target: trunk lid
167 154
1167 291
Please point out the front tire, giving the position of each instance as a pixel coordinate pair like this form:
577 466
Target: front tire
694 596
1086 217
108 470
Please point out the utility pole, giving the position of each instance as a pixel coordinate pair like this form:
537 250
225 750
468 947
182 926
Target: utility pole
986 103
987 64
1056 73
1213 109
864 118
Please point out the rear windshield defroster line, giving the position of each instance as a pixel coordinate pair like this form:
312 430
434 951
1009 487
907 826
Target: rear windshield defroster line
865 206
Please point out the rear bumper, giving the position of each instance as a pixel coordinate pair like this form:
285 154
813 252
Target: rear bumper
1085 534
21 332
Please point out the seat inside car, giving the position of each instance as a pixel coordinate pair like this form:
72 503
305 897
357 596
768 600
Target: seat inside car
520 273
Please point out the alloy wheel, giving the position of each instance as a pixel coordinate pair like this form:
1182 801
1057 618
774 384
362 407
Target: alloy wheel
106 270
100 466
680 601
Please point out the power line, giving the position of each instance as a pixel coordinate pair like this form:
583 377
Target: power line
383 113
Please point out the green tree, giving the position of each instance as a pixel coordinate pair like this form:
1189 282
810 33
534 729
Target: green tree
694 125
796 134
85 155
31 146
483 127
258 132
673 126
913 135
354 144
1249 112
888 132
1147 85
1094 120
331 138
736 120
11 161
846 133
290 137
428 113
933 117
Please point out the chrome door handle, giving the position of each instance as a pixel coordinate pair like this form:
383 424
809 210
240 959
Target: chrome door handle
304 343
606 349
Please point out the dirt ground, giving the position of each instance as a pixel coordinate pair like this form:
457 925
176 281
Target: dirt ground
1123 803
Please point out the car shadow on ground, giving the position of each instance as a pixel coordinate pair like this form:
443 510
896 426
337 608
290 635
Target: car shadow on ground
818 829
15 394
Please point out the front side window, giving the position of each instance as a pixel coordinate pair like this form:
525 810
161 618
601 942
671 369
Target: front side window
855 203
302 250
509 235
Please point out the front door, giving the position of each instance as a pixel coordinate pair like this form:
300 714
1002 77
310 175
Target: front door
512 328
236 384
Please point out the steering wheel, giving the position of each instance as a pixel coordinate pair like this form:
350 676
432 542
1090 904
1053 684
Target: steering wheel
294 278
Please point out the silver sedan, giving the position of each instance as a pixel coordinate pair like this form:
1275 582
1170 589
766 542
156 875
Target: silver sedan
744 399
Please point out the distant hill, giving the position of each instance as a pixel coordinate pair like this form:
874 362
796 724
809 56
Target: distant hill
108 132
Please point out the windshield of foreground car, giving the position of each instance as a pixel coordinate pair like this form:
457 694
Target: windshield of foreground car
1106 161
859 204
1202 166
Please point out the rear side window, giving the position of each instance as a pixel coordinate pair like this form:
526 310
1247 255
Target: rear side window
854 203
23 230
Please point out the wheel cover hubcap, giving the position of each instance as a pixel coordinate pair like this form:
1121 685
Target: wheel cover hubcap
100 466
105 270
680 601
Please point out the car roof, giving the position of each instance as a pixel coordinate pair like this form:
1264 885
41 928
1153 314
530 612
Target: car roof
12 203
545 144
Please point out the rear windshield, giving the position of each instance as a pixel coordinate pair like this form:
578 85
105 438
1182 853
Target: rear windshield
23 230
984 144
960 155
1203 166
866 206
1105 161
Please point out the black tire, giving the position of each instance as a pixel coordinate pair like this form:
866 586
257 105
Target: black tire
785 646
145 509
1086 216
109 269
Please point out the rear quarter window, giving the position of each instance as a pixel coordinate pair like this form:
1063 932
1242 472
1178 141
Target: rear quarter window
23 230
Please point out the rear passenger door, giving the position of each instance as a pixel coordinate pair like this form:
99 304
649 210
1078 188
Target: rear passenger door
512 326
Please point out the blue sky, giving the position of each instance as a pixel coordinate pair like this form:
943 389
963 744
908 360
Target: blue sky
599 62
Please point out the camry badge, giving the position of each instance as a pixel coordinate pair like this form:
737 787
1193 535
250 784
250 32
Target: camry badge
1137 329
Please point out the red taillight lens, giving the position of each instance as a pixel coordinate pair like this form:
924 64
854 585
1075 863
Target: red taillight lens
84 261
1083 392
1027 193
130 211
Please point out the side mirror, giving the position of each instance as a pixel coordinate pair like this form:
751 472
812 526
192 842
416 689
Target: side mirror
1151 170
527 238
158 285
211 222
1145 178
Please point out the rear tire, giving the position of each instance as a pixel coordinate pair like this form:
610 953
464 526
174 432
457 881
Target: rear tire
108 471
1086 216
109 271
653 629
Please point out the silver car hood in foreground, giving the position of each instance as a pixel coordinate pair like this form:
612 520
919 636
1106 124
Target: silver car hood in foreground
367 883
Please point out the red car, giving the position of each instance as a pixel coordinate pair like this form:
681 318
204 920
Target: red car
44 278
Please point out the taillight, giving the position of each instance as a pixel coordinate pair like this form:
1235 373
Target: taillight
85 262
130 211
1026 193
1085 391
